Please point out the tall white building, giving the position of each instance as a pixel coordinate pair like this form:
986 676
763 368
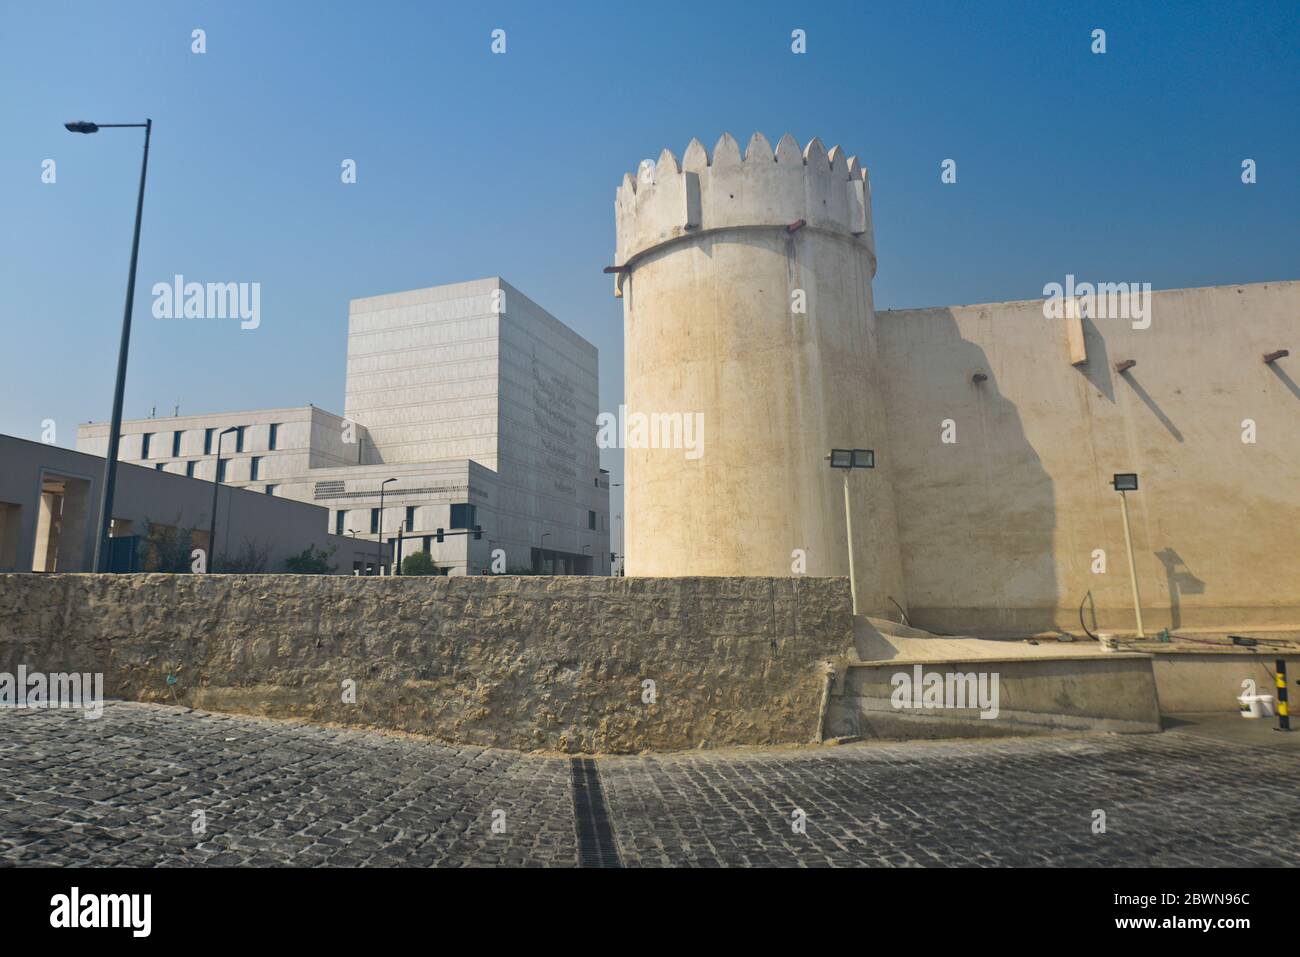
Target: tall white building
479 403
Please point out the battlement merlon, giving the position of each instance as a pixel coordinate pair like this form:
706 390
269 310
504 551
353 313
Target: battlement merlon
666 201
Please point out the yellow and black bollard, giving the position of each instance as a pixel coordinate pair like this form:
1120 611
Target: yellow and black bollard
1283 718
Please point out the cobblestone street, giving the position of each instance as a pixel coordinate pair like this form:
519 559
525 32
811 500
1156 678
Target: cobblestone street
132 787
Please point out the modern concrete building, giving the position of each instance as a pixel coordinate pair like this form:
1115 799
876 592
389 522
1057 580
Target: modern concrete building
479 403
49 496
746 284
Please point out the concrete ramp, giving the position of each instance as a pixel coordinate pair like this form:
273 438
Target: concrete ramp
904 683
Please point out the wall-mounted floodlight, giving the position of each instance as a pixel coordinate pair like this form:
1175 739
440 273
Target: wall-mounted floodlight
847 460
1128 482
852 458
1271 357
1122 367
980 377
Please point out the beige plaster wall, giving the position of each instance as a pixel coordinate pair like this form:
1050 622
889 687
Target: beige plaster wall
998 529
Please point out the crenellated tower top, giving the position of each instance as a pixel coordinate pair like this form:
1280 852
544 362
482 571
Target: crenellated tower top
666 200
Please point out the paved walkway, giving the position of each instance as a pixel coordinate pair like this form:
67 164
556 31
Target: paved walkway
132 788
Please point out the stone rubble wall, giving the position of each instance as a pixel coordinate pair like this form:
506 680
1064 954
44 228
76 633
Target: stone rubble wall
545 663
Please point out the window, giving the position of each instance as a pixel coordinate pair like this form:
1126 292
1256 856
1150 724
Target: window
339 518
410 517
270 489
144 444
428 543
239 438
189 469
160 466
255 469
176 444
374 521
221 470
207 441
591 520
273 440
462 516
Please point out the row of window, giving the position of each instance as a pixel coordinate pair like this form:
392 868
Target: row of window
210 439
462 516
254 468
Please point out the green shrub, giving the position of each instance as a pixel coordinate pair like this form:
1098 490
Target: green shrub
311 562
420 563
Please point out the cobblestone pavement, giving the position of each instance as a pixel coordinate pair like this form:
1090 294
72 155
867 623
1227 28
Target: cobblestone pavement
124 789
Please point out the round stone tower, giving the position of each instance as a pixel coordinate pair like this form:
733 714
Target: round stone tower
746 287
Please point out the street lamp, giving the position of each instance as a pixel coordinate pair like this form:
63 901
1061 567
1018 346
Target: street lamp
618 547
847 460
379 558
216 484
1128 482
101 559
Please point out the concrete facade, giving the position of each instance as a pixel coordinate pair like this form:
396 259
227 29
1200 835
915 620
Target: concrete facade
996 430
475 399
49 501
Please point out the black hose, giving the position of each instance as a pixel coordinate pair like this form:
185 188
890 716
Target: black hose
900 611
1081 621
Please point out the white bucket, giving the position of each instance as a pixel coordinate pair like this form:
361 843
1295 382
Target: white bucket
1256 705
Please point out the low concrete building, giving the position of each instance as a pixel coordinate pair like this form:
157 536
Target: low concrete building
49 500
476 401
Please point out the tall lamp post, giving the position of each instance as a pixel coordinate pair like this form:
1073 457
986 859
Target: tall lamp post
847 460
379 558
1128 482
618 549
216 484
115 427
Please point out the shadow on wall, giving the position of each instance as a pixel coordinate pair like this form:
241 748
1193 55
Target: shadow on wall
1181 582
976 508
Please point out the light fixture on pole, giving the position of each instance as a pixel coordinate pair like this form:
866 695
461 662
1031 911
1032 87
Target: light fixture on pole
1128 482
379 558
101 560
847 460
216 484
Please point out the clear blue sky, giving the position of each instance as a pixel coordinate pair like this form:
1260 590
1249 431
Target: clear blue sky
1124 166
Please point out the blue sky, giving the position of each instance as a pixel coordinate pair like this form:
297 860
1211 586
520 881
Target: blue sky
1120 167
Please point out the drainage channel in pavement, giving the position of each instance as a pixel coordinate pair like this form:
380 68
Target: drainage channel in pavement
596 847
